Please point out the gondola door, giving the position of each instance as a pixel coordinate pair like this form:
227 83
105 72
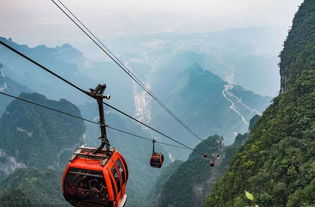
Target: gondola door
116 183
118 180
114 192
122 174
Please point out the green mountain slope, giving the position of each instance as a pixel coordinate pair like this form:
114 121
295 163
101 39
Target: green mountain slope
31 187
35 144
298 52
154 195
39 137
277 163
192 180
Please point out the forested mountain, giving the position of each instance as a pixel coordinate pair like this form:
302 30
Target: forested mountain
192 180
154 195
38 137
246 56
32 187
169 77
182 79
7 85
206 103
35 145
277 162
40 142
71 64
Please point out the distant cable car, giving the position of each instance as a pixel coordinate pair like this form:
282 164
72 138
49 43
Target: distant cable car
216 152
157 158
95 179
212 163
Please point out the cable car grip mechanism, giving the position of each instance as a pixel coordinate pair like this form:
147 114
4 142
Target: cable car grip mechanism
97 94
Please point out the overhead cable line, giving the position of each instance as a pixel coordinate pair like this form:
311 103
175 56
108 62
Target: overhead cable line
49 108
144 138
113 57
87 93
84 119
42 67
153 129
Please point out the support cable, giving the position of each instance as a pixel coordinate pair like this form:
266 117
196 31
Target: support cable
114 58
87 93
84 119
47 107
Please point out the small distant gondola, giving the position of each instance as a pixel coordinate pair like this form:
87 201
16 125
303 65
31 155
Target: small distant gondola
157 158
212 163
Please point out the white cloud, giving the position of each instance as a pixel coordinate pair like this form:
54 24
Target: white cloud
38 21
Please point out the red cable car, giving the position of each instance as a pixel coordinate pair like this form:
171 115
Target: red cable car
95 179
157 158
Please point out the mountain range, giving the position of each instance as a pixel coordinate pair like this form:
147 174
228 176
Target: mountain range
206 103
204 100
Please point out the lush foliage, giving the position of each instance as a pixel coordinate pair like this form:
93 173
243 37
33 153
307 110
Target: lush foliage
31 187
39 137
154 195
277 163
189 184
298 53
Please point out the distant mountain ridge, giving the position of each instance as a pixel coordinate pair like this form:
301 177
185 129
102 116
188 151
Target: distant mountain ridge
9 86
194 94
204 101
46 134
35 145
248 56
71 65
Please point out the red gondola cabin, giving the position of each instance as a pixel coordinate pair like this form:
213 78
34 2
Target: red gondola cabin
157 160
95 179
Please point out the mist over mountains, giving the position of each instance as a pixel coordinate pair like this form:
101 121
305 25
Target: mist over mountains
198 85
244 56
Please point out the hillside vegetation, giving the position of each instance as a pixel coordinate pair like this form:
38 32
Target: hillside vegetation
190 182
277 163
32 187
39 137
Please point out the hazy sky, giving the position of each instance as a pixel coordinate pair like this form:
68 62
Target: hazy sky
39 21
